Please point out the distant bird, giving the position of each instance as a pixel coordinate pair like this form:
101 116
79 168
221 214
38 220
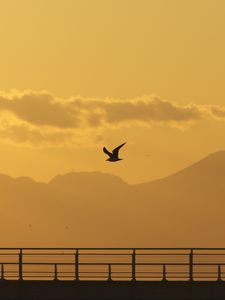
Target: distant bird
114 155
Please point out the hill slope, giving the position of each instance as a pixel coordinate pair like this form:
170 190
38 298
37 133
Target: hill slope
95 209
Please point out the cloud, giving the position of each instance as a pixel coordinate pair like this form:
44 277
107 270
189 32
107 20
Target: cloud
40 109
40 119
218 112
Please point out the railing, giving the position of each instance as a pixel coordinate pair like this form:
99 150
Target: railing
148 264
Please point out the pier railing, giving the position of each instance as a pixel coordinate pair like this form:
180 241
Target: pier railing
128 264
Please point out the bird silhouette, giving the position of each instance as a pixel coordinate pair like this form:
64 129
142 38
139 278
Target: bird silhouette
113 156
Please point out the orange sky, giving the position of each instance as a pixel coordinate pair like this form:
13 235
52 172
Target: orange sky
79 74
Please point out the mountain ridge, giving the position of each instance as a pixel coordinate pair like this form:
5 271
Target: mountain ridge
75 174
93 209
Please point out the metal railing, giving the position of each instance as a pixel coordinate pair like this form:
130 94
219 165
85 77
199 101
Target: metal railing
129 264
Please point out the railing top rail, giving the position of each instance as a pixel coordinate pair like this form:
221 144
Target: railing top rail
110 248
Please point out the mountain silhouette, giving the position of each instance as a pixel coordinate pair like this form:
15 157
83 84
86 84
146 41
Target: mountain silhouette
185 209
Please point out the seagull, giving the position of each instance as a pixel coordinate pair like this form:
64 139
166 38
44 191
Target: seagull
114 155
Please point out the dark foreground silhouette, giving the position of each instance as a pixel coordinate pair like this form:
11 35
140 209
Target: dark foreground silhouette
85 290
112 273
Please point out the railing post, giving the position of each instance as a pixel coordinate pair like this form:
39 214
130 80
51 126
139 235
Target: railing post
109 273
21 265
191 265
56 273
77 265
219 273
164 273
134 265
2 272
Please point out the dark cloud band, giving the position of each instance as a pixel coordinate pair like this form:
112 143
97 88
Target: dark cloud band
39 117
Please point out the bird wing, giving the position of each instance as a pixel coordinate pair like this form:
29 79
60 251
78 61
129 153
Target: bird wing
107 151
116 150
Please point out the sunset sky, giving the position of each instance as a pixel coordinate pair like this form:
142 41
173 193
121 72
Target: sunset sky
77 75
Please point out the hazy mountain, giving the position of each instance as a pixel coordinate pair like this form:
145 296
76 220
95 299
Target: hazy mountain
96 209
